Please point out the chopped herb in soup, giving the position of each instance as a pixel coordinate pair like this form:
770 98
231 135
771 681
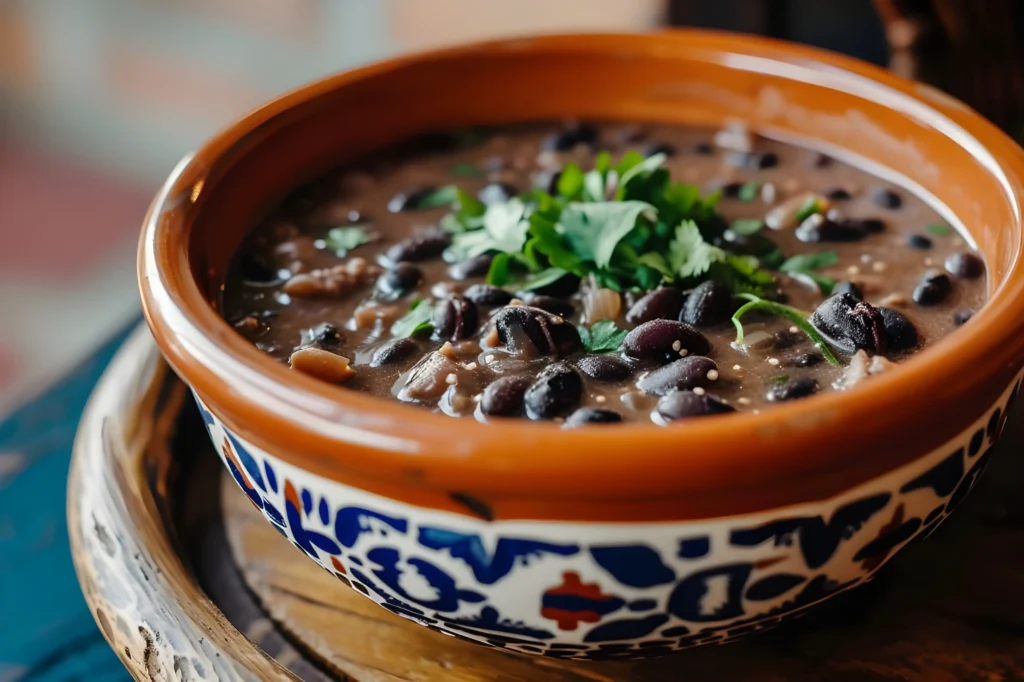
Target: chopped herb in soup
592 275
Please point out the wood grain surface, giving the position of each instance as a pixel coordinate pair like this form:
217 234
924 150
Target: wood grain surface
189 582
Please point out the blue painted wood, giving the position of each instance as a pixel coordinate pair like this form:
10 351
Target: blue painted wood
46 631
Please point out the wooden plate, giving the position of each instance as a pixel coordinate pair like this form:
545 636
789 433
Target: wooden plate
188 582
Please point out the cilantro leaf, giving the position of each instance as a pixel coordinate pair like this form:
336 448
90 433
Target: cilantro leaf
504 230
547 241
808 209
746 226
602 337
414 322
441 196
570 182
465 170
656 261
593 230
594 186
938 229
633 170
743 275
498 274
344 239
748 191
689 255
797 317
543 278
809 261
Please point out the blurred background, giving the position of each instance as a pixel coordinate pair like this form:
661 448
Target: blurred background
100 98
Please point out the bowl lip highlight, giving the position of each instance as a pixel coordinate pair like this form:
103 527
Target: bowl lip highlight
304 421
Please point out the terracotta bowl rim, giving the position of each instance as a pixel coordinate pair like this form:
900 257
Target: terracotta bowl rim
228 372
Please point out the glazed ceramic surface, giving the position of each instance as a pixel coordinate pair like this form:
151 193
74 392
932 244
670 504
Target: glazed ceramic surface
580 590
566 541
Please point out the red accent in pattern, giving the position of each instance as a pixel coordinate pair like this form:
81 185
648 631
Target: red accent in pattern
292 497
872 562
337 565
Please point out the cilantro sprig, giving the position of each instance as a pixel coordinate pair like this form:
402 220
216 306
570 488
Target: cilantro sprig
414 322
601 337
627 224
797 317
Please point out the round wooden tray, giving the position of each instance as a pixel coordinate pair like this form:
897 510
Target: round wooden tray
188 582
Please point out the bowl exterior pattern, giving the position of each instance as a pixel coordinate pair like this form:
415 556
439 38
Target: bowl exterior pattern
605 590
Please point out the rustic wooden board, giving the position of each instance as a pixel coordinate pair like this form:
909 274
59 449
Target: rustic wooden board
154 524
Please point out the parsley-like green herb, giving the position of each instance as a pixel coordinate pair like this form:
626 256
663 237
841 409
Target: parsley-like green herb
442 196
504 230
805 262
414 322
797 317
465 170
808 209
939 229
602 337
593 230
689 255
746 226
343 239
570 182
498 274
543 278
748 191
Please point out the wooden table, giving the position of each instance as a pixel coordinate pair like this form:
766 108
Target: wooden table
186 577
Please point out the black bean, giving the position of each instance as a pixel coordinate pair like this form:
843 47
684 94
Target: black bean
791 389
661 304
562 288
838 194
397 281
547 180
704 148
868 225
767 160
664 340
683 374
933 288
524 329
556 392
558 306
709 304
848 324
487 295
570 137
419 247
886 198
817 228
731 190
504 397
591 415
846 287
478 266
454 318
962 317
496 193
919 241
324 336
900 333
687 404
665 148
256 271
393 351
409 200
965 265
806 359
606 368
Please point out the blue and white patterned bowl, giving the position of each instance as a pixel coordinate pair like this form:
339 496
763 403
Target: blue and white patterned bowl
597 543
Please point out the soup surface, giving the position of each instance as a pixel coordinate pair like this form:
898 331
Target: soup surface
593 274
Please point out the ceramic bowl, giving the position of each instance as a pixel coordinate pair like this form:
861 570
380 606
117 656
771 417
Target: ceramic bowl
597 543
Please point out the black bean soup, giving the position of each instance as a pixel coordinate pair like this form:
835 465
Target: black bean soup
593 274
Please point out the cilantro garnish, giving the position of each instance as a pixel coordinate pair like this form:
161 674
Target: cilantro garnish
938 229
748 191
343 239
602 337
465 170
746 226
627 224
441 196
414 322
797 317
811 207
804 263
